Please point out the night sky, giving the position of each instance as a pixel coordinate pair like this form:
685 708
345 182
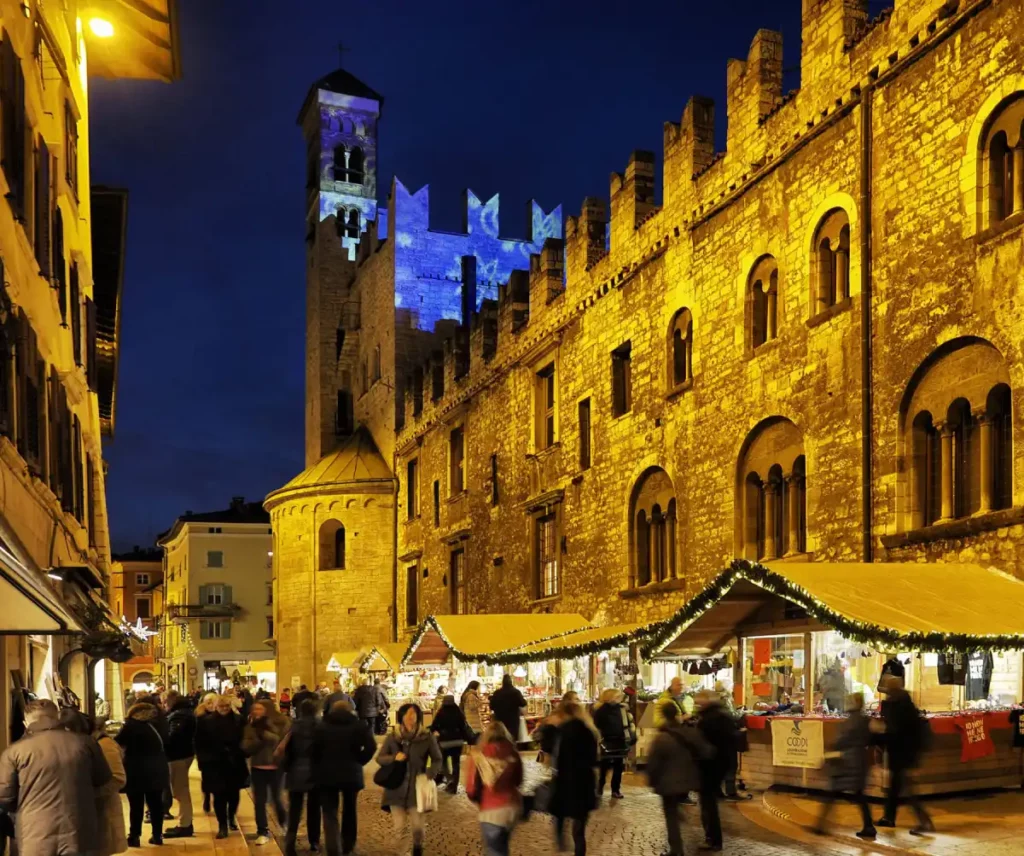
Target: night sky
529 99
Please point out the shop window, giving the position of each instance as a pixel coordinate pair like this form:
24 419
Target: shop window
1003 162
332 545
653 529
456 456
680 369
547 567
772 493
457 581
412 595
830 267
762 303
412 488
544 407
586 436
214 559
622 386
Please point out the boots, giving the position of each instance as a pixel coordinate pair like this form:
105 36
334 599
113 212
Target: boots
222 832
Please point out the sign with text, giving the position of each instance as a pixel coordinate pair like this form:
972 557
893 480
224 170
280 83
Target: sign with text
798 743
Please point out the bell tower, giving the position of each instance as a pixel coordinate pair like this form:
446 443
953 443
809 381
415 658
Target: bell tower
339 123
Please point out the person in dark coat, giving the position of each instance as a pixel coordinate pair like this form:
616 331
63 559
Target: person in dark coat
221 761
261 737
180 749
903 742
342 745
618 734
673 768
146 771
366 698
303 693
337 694
507 706
719 729
850 772
298 763
574 791
452 732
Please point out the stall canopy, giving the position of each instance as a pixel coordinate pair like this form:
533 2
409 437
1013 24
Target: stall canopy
484 638
581 643
29 605
912 606
386 657
346 660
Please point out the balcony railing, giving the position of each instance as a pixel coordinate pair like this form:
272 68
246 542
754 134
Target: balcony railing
203 610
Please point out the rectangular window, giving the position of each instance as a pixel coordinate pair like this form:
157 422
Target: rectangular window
43 208
214 629
457 581
585 437
270 594
457 451
214 530
437 504
344 420
76 316
544 406
12 149
270 626
91 365
411 595
548 577
213 595
412 488
622 390
494 479
214 559
142 607
71 149
142 579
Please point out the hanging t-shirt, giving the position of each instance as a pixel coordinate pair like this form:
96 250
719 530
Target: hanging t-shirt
892 667
975 738
952 668
1016 727
979 675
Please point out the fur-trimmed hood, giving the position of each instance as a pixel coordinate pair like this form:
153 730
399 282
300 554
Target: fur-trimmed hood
143 711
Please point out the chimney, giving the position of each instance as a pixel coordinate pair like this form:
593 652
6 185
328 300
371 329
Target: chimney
237 503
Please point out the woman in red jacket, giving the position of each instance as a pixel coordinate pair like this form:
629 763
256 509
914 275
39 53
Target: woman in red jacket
493 777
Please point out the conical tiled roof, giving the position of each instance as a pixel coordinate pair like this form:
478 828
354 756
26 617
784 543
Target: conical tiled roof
356 461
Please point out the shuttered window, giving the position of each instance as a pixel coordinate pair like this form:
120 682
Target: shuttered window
76 315
43 208
78 472
12 106
60 276
90 345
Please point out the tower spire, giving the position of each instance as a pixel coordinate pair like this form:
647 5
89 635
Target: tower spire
341 54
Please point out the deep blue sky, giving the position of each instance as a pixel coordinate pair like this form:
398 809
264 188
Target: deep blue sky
532 99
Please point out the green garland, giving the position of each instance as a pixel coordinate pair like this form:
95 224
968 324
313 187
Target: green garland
867 633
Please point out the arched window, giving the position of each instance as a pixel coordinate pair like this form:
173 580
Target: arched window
341 163
830 270
771 502
355 165
1003 162
956 428
762 302
653 529
680 368
352 223
332 546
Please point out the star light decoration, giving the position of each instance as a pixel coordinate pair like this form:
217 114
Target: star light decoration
137 630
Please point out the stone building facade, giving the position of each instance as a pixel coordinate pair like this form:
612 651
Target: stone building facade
808 351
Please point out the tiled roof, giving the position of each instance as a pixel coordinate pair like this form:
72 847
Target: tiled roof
357 460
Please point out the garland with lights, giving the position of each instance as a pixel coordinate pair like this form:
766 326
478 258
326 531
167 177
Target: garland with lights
871 634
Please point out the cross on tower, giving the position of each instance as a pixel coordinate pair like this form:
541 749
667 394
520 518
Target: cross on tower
341 54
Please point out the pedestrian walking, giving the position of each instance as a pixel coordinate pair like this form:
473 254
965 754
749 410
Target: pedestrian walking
146 771
673 769
245 701
508 706
285 701
849 771
545 734
904 741
337 694
618 734
303 694
101 707
263 733
719 729
678 697
366 699
409 743
383 706
442 691
452 733
49 780
180 749
471 704
111 837
298 761
494 773
221 761
574 792
343 745
206 704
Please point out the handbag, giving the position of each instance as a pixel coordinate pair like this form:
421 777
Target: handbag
391 776
543 798
426 794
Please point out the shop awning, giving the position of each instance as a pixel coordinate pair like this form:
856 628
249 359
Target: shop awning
484 638
257 667
907 605
27 605
346 660
581 643
386 657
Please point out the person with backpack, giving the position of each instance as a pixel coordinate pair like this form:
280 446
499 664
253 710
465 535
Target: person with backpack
618 734
905 740
493 776
146 770
673 768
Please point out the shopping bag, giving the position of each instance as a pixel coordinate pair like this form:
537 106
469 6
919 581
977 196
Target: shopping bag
426 794
524 734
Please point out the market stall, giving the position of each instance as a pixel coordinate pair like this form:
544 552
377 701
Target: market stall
808 634
346 665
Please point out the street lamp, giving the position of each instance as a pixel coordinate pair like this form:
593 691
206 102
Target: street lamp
101 28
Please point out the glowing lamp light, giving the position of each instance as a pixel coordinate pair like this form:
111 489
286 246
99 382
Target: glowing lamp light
101 28
519 672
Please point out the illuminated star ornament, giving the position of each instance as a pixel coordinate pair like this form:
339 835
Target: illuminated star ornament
137 629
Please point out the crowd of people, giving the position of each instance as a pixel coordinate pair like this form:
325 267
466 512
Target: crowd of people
63 779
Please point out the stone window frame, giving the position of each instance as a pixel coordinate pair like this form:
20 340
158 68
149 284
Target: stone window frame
328 545
765 269
622 379
458 424
413 494
771 492
831 262
679 352
539 510
412 574
458 594
587 398
641 541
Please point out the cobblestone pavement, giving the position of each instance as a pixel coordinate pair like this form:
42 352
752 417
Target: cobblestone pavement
633 826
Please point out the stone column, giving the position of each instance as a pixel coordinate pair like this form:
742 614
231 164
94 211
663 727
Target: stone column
842 275
771 326
985 458
793 495
1018 179
946 471
771 491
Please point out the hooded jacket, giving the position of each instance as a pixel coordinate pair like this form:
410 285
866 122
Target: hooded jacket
145 763
181 732
260 740
449 725
49 778
342 745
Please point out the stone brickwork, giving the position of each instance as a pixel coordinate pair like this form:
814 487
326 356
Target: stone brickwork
888 131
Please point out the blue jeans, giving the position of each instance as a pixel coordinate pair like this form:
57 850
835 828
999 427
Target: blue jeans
496 839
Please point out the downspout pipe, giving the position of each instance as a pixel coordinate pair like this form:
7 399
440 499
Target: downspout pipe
865 318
